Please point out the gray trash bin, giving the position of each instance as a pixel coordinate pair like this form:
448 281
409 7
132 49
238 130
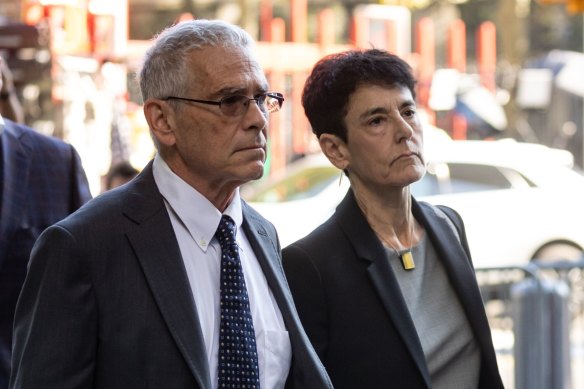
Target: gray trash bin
541 321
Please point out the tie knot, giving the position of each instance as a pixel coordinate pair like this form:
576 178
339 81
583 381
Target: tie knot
226 231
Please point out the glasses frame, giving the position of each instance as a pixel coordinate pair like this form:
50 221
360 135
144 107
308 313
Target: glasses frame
275 95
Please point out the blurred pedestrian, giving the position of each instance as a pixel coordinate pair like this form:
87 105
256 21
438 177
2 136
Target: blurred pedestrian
41 182
385 288
120 174
172 281
10 106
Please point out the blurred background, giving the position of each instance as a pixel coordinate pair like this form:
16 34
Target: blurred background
500 87
486 68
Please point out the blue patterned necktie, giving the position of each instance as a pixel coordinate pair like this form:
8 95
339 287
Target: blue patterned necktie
238 358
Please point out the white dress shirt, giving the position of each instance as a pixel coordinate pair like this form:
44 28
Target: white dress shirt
195 221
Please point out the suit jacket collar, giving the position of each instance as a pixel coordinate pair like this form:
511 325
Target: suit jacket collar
267 251
157 250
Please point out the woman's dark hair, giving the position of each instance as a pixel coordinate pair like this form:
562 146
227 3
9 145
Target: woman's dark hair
335 77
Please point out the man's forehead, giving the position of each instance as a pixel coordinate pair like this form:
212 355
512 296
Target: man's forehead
228 67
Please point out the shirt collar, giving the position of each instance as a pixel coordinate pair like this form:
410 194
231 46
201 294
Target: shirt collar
195 211
1 124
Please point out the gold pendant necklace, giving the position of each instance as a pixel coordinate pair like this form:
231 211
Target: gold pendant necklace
408 260
406 256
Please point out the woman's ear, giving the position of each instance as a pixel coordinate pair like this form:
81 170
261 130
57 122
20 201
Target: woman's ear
161 120
335 150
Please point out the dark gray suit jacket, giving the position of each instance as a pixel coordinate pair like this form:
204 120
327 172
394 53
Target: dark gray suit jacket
351 305
107 302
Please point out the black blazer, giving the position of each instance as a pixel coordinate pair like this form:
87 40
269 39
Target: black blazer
107 301
42 181
351 306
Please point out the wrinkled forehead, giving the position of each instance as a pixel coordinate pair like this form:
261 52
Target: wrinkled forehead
227 65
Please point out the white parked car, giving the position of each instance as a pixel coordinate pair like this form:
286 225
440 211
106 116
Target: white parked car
519 201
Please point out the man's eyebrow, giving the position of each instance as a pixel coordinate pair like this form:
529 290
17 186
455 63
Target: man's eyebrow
230 91
407 103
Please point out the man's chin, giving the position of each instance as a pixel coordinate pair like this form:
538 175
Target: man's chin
256 172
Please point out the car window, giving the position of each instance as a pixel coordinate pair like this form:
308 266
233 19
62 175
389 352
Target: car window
301 185
427 186
466 177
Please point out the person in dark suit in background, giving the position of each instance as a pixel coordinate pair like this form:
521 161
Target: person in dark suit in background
385 288
172 281
41 182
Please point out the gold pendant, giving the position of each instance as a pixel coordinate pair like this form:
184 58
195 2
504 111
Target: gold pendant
408 260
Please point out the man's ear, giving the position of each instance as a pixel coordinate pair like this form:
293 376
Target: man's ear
161 120
335 150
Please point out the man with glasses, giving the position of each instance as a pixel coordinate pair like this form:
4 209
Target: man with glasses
172 281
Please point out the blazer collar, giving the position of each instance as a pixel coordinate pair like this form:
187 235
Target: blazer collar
368 248
157 250
459 268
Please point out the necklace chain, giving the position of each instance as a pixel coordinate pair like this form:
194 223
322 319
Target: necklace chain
406 254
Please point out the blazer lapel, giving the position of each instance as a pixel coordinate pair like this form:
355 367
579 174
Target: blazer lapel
369 249
266 250
158 252
458 267
306 370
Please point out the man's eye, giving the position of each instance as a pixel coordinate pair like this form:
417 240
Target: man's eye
231 100
260 98
409 112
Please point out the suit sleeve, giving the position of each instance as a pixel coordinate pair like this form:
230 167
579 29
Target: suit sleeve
309 295
55 323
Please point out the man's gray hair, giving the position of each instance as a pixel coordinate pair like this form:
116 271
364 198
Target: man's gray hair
165 70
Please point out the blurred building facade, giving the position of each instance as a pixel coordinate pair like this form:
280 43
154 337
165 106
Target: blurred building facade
79 78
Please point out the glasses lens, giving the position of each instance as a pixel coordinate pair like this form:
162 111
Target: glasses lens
238 104
272 104
234 105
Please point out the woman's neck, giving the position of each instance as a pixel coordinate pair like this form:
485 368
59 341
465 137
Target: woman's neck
389 215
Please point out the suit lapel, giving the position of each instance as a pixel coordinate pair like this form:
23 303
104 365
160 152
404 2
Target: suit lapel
17 154
158 252
458 267
266 249
369 249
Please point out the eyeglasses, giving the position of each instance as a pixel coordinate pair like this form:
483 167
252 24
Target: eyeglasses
238 105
